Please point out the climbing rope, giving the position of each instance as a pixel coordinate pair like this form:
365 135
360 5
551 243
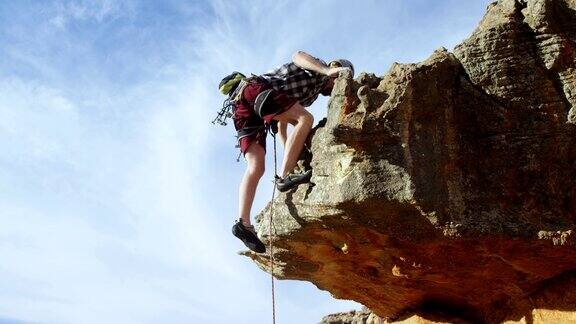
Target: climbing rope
270 225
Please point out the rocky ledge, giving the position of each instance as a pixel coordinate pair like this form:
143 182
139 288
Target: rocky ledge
446 190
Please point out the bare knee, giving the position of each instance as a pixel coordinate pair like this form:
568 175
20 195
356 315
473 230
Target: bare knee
296 115
255 158
255 170
306 118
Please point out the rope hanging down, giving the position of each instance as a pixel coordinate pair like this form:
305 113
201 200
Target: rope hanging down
270 225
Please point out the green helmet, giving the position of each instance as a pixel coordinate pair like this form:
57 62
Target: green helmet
230 82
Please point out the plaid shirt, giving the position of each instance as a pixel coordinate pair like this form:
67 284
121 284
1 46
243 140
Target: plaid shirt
300 84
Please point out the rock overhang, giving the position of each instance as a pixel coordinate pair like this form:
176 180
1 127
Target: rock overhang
448 182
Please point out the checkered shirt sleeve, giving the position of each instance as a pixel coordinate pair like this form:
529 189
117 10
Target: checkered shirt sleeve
298 83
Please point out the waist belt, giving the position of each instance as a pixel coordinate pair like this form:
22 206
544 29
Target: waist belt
248 131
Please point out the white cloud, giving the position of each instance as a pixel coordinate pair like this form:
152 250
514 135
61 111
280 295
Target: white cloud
97 10
111 221
28 113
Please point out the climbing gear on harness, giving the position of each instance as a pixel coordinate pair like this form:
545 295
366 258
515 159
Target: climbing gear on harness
234 85
227 111
248 237
230 82
292 180
342 63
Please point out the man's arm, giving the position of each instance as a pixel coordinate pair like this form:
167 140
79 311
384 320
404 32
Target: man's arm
309 62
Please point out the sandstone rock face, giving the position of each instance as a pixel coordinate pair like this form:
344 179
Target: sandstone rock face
365 316
354 317
447 189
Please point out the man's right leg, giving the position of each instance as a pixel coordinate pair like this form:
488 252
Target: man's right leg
254 171
283 132
302 120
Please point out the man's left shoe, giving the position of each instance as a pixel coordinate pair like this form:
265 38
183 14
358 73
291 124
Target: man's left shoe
248 236
292 180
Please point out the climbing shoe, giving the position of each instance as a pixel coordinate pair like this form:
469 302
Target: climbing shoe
248 236
292 180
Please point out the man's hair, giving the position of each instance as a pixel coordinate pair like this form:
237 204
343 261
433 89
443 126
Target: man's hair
342 63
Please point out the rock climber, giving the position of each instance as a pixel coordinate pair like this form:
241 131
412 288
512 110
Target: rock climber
272 101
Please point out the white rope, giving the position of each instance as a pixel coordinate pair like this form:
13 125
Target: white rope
270 236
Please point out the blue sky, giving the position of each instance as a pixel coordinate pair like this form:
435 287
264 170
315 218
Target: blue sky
117 194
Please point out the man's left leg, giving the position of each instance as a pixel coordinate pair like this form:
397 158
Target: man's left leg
254 170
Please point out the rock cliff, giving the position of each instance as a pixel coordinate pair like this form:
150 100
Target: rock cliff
447 189
363 316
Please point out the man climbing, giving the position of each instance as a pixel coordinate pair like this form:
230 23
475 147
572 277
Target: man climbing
274 100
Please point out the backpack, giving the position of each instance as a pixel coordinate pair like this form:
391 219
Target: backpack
232 86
